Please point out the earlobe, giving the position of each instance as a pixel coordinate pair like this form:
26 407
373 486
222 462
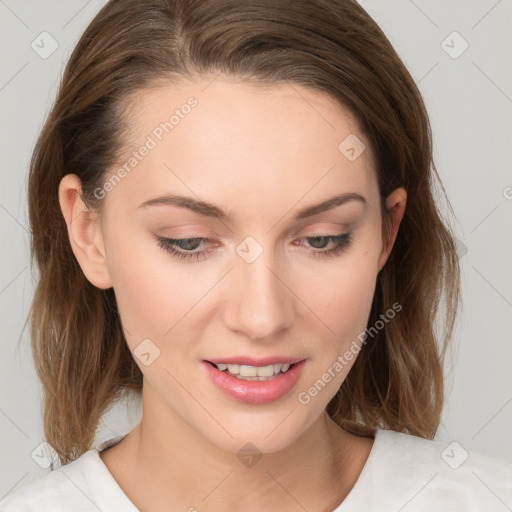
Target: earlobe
84 232
395 204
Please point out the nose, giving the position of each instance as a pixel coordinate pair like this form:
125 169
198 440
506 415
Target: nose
261 301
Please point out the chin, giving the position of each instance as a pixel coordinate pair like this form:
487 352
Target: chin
264 431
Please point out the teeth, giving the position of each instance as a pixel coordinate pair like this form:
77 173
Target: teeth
234 369
264 371
242 370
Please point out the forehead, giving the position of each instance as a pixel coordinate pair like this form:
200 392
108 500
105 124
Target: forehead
241 104
219 136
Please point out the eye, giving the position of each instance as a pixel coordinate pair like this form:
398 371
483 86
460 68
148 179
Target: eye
339 243
185 248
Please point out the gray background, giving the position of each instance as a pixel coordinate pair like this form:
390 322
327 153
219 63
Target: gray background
469 99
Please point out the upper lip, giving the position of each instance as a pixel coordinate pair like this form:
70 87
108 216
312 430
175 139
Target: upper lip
253 361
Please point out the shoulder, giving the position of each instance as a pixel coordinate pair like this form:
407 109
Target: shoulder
417 473
443 455
84 485
65 488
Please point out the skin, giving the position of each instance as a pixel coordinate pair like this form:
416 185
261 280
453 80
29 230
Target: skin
262 154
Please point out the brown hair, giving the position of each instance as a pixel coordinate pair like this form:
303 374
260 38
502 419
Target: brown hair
331 46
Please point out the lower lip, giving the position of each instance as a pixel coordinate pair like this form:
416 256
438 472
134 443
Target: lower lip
255 391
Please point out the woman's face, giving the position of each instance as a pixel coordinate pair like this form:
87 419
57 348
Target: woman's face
251 280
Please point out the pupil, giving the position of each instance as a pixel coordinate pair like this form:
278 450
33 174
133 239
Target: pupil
317 240
190 243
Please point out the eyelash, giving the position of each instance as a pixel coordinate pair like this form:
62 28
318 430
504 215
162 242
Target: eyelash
342 242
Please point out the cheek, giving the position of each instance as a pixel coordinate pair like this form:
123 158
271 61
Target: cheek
343 296
151 295
142 304
342 301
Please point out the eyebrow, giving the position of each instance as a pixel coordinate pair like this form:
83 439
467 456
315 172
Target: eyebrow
210 210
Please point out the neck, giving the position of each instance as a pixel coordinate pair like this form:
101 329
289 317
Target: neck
167 462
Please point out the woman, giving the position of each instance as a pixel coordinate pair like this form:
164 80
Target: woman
232 213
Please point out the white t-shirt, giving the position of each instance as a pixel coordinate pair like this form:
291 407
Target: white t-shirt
402 473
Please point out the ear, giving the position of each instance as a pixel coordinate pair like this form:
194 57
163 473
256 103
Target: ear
395 204
84 231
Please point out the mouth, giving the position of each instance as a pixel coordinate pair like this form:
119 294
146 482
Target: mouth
270 380
253 373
